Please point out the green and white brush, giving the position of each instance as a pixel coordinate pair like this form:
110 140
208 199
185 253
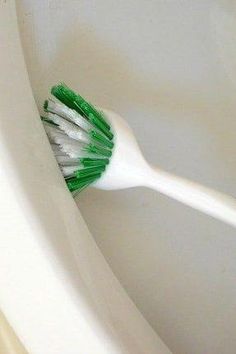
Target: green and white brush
97 147
80 136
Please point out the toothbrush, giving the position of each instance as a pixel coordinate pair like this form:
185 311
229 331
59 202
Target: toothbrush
98 148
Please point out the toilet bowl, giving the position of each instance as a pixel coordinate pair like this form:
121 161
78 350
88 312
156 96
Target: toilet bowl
57 291
169 69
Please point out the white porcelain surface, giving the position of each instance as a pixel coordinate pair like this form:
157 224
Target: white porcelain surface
169 67
57 291
9 343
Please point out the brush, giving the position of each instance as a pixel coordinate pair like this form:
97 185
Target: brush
97 147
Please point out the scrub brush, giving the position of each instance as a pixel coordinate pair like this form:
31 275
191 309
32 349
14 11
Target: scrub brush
97 147
80 136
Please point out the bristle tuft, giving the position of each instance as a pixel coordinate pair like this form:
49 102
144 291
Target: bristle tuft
80 135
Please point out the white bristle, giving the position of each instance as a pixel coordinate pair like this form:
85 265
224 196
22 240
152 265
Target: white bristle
58 152
63 145
53 132
69 146
73 148
69 114
72 130
68 170
65 160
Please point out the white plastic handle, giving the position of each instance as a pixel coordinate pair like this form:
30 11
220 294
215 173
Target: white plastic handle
211 202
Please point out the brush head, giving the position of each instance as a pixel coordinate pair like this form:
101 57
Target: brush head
80 135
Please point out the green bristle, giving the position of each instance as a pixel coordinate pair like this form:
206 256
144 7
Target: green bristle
99 150
65 95
84 105
100 138
88 109
95 121
90 171
87 162
75 183
75 101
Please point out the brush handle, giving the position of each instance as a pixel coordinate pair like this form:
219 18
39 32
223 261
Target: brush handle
213 203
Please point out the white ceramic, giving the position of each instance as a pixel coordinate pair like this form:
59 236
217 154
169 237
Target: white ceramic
9 343
57 291
168 68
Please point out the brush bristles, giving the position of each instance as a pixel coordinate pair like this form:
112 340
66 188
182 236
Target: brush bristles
80 105
80 135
